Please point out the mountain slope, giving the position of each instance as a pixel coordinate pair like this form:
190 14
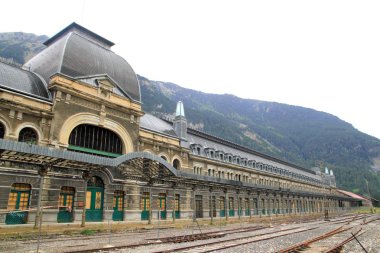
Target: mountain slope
296 134
19 47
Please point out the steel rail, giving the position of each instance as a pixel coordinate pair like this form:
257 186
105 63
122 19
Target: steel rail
236 244
305 244
207 235
160 242
338 247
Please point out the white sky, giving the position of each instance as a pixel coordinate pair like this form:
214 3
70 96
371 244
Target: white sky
319 54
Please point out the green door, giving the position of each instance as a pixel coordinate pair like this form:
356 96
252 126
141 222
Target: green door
177 207
94 204
162 205
18 200
94 199
66 204
246 207
118 206
222 207
231 212
145 205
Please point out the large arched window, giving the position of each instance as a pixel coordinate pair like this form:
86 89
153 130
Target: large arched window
95 140
2 130
28 135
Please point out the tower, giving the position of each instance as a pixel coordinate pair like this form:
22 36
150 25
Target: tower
180 122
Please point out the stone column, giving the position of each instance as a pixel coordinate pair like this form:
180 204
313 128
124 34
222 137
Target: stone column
150 205
238 204
193 203
86 177
211 206
226 203
259 204
249 204
42 172
173 205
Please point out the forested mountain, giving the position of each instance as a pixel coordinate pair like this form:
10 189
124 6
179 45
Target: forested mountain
300 135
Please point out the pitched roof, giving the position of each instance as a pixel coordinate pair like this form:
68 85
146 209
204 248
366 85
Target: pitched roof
352 195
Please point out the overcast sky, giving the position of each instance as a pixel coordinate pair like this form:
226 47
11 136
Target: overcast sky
323 55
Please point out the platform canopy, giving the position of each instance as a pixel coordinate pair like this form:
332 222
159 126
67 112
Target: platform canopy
135 165
142 166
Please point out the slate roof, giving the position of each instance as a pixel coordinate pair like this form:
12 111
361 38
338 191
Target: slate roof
16 79
152 123
155 124
196 137
77 52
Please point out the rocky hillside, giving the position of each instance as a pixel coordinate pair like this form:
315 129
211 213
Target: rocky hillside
296 134
19 47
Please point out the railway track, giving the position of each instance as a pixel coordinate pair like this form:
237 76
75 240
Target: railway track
213 240
248 239
323 242
235 242
339 246
208 235
302 246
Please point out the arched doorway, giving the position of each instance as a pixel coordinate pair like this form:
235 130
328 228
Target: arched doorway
94 199
18 200
95 140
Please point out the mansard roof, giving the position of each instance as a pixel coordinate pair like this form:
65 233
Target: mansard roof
78 52
22 81
152 123
206 140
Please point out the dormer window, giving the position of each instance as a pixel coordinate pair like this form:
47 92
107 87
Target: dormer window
228 157
196 149
219 155
210 152
236 159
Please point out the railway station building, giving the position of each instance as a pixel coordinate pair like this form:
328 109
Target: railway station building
76 147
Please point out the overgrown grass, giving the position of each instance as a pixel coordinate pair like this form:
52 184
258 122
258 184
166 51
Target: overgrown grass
87 232
366 209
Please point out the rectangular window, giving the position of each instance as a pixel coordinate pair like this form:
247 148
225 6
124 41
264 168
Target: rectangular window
145 201
231 203
222 203
12 201
88 200
177 203
162 201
